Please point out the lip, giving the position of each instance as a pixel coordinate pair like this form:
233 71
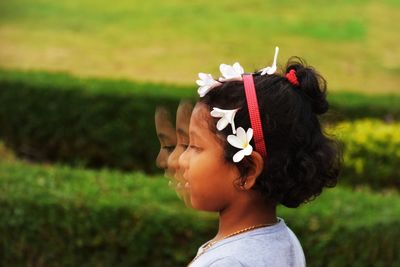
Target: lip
182 186
171 184
168 174
185 182
187 185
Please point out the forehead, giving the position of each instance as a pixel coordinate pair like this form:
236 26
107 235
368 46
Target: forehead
163 117
200 122
183 115
184 112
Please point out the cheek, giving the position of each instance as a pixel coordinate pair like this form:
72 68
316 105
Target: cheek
215 176
211 182
173 159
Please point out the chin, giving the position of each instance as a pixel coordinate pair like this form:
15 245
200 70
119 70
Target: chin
203 206
188 203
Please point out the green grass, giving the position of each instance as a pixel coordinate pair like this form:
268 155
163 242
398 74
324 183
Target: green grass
353 43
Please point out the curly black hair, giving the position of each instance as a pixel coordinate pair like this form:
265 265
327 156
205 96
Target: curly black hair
302 159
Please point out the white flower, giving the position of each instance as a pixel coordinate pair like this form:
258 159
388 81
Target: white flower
206 83
241 140
271 70
227 116
231 73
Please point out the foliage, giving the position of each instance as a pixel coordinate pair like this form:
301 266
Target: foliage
58 216
83 122
110 123
371 153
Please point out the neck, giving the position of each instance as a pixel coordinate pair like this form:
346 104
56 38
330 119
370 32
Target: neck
245 213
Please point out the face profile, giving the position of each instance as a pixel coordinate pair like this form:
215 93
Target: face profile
168 158
166 135
174 171
205 157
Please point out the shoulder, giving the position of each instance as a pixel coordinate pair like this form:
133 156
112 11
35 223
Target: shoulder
226 261
262 248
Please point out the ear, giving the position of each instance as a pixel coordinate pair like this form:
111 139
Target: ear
255 167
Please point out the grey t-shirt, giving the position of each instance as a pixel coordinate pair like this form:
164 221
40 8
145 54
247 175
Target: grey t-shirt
269 246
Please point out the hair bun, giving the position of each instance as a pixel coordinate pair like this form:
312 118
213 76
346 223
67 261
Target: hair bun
311 83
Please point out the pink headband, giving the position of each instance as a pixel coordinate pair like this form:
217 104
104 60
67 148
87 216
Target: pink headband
254 114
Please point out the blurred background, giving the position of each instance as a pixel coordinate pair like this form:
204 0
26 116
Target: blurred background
79 84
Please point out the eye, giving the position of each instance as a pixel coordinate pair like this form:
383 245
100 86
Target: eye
185 146
194 147
169 148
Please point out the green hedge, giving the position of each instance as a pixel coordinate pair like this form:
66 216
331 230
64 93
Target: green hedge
56 216
92 122
87 122
353 106
62 217
371 153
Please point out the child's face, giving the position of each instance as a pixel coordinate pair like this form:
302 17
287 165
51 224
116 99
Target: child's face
174 172
166 135
210 177
182 139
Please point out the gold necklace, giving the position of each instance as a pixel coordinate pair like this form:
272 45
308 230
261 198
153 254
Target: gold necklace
211 243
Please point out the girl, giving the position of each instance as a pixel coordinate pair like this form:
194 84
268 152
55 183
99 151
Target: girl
166 136
174 172
173 141
256 142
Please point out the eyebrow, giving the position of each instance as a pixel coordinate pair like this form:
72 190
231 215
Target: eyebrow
161 136
182 132
164 137
193 134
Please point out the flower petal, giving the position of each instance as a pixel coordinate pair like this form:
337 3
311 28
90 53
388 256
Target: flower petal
222 123
202 91
203 76
235 141
271 69
238 156
233 125
206 86
227 71
200 82
230 114
217 113
238 69
265 70
241 134
247 150
249 134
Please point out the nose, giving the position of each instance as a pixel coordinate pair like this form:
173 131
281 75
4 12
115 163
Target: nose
161 160
173 165
184 160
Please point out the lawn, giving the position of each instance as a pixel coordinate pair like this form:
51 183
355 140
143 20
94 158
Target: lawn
353 43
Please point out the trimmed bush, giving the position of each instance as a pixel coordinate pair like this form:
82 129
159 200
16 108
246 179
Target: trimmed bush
353 106
54 117
371 153
61 217
56 216
109 123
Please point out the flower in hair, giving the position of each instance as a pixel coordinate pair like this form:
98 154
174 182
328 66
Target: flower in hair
206 83
241 140
231 73
227 117
271 69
